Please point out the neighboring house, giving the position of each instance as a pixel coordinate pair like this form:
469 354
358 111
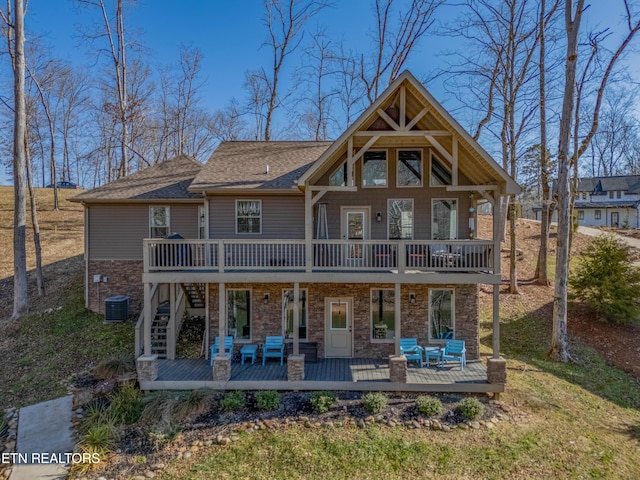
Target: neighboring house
606 202
341 247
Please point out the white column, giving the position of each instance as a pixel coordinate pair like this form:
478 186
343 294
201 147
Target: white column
222 316
296 318
397 315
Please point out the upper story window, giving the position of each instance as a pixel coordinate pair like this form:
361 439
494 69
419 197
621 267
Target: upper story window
374 169
584 195
400 218
445 219
248 216
440 173
339 177
409 173
201 222
619 194
159 224
611 194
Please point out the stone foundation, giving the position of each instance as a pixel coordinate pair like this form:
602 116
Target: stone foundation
497 370
295 368
124 277
147 367
221 368
397 369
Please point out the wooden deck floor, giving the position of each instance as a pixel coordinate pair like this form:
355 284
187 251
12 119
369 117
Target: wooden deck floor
333 374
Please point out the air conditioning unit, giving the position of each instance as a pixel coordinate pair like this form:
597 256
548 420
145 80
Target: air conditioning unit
116 309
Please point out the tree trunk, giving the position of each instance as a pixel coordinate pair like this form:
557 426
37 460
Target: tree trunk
34 220
20 294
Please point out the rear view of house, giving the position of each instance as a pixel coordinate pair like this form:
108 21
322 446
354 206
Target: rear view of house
341 248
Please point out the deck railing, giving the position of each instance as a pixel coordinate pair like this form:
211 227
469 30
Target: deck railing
399 256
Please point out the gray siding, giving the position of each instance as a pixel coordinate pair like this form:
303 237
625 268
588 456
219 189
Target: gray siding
282 217
116 231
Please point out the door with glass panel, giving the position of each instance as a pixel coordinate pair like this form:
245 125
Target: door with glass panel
338 333
354 231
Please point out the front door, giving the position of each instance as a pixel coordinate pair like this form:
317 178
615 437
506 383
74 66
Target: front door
354 231
615 220
338 333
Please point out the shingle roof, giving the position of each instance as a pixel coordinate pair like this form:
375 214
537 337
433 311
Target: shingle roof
244 165
625 183
618 204
167 180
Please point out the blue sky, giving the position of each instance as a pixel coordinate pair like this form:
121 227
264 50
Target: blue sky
230 34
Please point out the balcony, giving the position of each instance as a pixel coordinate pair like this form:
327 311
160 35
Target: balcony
394 256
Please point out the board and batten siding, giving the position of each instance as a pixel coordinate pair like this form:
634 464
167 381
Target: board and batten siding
116 231
282 217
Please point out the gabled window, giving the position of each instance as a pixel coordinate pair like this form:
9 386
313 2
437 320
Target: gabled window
383 311
339 177
440 174
374 169
400 217
287 313
441 314
248 216
409 170
159 222
239 314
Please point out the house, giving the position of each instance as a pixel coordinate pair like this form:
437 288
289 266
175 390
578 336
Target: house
606 202
341 247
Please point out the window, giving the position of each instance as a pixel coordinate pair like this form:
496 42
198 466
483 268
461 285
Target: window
248 216
374 169
409 172
239 314
619 194
339 177
440 174
580 214
598 214
201 222
383 324
400 217
159 222
445 219
287 313
584 195
441 315
611 194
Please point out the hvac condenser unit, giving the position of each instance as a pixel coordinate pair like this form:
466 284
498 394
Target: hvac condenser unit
116 309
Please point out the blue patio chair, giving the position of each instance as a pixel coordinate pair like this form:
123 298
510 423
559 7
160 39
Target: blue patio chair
228 347
455 351
273 348
411 350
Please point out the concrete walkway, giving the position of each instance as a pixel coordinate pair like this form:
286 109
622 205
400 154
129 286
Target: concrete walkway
44 437
595 232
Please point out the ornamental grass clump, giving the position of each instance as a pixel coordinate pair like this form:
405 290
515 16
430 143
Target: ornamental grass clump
268 400
374 402
428 405
470 408
322 401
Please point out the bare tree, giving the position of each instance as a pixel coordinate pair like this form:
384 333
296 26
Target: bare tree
228 123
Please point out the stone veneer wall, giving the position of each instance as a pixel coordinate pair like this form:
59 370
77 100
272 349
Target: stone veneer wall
267 318
125 278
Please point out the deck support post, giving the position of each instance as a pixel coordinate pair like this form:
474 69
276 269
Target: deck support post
147 319
222 362
496 321
397 369
147 368
295 367
398 316
296 319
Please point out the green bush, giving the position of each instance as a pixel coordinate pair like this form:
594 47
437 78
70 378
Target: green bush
374 402
428 405
232 401
126 404
268 400
606 280
322 401
101 436
470 408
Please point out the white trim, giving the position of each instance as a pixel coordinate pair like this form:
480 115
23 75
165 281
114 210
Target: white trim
342 166
366 210
236 338
395 320
444 165
236 215
386 166
419 149
327 324
167 217
453 314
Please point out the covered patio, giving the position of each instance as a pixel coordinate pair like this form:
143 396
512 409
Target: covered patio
360 374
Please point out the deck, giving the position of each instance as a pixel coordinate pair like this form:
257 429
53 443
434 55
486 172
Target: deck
326 374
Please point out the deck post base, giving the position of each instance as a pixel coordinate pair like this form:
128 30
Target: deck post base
397 369
295 367
147 368
221 368
497 370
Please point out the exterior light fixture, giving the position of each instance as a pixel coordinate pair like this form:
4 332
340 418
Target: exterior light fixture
266 298
378 216
412 298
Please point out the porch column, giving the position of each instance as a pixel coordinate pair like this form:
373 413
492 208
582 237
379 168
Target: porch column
147 319
296 319
397 315
207 322
222 362
171 331
308 229
496 321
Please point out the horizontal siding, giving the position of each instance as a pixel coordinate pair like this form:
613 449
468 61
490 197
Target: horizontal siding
116 231
282 217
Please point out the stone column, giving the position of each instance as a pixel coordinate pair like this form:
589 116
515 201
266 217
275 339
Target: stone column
497 370
397 369
147 367
221 368
295 367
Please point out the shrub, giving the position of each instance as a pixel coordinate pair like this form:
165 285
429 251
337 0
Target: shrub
190 403
268 400
607 281
321 402
4 428
374 402
101 436
232 401
114 367
470 408
126 404
428 405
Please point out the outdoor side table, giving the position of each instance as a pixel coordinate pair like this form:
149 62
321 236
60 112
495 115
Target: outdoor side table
432 352
249 351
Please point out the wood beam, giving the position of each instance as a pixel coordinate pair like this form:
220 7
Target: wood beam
416 119
403 107
402 133
392 123
362 151
471 188
454 162
441 150
349 179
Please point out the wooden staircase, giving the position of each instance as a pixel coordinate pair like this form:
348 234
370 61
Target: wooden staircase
194 293
159 328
